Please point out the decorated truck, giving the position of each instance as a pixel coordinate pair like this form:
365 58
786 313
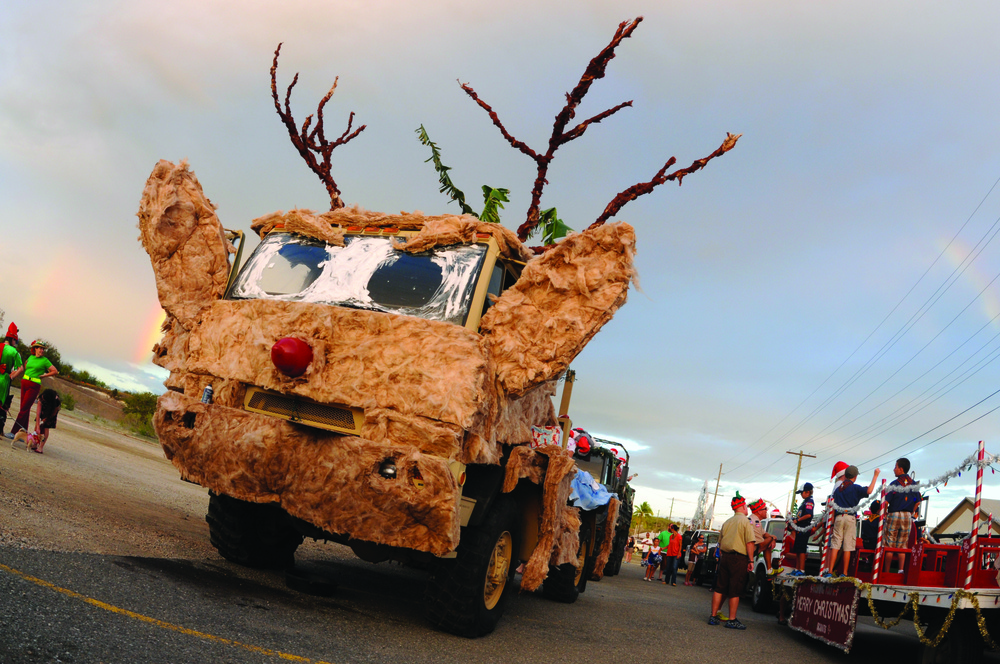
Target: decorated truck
949 592
608 462
373 379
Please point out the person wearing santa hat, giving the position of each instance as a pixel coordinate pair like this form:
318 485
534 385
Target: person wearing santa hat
847 496
763 540
736 544
10 361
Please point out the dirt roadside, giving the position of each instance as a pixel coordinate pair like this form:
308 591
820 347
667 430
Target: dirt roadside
98 490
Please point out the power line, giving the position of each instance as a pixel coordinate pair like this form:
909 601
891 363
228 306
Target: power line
922 310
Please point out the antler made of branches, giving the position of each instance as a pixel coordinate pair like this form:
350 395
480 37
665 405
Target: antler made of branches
637 190
313 143
560 135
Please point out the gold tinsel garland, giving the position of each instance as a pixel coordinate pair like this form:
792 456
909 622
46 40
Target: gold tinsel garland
912 603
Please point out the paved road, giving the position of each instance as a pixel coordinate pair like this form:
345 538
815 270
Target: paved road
72 607
104 558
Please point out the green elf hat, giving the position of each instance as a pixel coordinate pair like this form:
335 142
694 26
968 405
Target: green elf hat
738 502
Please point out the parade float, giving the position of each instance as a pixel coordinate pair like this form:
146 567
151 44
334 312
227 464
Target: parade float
375 379
947 590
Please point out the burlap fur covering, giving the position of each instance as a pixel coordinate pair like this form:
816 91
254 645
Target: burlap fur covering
436 231
328 480
431 392
559 531
181 233
608 541
563 297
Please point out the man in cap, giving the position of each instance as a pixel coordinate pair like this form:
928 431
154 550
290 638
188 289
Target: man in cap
736 544
803 519
847 497
10 361
763 540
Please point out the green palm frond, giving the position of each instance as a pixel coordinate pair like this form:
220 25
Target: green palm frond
447 186
493 200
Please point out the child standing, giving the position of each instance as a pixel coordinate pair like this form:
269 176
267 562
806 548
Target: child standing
653 559
45 416
848 496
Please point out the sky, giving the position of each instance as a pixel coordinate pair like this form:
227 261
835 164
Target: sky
827 286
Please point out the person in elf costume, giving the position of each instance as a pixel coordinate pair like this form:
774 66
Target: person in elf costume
35 369
736 546
10 361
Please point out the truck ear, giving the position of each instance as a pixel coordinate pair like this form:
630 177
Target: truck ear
185 241
539 325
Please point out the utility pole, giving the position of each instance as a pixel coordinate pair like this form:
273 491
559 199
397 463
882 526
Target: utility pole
798 470
716 494
671 517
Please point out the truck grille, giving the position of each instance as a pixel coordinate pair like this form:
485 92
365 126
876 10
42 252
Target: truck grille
304 411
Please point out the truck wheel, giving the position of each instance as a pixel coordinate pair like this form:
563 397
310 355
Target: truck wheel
763 593
251 534
467 595
565 582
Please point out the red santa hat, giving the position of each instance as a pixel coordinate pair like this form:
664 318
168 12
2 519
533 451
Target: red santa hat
582 440
839 469
12 332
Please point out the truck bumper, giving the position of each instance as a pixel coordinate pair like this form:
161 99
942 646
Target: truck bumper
331 481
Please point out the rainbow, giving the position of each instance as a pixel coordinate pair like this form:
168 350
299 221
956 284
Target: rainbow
151 334
977 280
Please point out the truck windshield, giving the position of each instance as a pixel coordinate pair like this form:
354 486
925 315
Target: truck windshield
366 273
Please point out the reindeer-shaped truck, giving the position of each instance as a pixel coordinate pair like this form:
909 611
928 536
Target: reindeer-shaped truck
373 379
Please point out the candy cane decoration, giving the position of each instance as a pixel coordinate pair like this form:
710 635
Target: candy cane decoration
878 542
974 535
829 534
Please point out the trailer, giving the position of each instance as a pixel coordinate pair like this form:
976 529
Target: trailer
948 591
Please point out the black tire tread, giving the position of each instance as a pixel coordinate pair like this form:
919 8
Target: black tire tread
454 594
251 534
560 585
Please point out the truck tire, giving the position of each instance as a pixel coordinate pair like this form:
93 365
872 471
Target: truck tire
467 595
251 534
565 582
763 593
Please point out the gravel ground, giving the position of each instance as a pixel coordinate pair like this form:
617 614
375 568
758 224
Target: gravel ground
91 488
97 489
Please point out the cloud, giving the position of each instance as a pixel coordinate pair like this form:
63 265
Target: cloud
127 377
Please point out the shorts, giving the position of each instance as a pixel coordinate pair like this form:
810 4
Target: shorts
691 565
801 542
732 576
897 530
845 531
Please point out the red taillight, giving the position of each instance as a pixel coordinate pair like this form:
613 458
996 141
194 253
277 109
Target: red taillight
291 356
